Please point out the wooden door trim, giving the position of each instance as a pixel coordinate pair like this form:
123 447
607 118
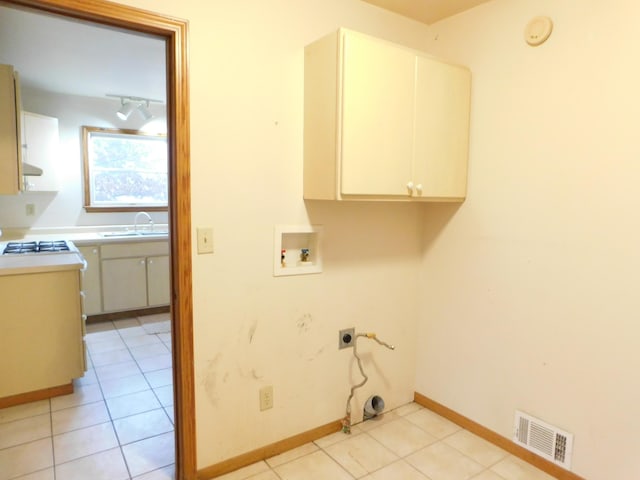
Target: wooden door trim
175 32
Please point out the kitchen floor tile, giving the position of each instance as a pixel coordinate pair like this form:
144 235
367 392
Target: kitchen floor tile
361 454
143 425
315 466
126 323
79 417
93 329
108 345
132 404
46 474
89 378
150 350
120 370
159 378
265 476
442 462
150 454
167 473
432 423
402 437
25 430
81 395
165 395
26 458
18 412
512 468
476 448
157 362
124 386
108 465
111 357
85 441
170 413
140 340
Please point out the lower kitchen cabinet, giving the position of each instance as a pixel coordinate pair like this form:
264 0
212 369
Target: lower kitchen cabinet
158 281
124 285
41 344
91 281
134 275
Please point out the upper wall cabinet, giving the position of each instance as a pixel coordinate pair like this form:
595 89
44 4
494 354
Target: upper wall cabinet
40 139
383 122
10 163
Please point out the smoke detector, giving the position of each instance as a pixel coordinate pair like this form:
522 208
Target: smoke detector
538 30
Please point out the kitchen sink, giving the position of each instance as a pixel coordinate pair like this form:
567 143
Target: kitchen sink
133 234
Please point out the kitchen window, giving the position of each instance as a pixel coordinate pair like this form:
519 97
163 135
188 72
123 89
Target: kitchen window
124 170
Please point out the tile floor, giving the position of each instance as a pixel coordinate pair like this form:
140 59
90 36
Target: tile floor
408 443
118 425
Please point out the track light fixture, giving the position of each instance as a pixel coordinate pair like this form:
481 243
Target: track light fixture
129 104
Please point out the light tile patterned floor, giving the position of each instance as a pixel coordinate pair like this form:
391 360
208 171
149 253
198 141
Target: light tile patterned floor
118 425
408 443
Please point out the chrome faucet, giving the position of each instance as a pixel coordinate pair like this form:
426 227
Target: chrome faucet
135 220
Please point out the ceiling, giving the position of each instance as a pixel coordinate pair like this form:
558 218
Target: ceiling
67 56
427 11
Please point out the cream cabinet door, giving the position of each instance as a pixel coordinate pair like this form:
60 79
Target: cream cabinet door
40 148
158 283
91 281
124 283
377 117
441 129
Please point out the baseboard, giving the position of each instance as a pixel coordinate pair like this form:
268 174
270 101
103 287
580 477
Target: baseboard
36 395
267 451
498 440
103 317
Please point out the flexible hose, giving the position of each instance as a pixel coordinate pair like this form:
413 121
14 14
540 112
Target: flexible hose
346 422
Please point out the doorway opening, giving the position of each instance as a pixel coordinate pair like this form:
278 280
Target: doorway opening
174 33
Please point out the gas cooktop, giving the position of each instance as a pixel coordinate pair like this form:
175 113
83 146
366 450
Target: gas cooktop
55 246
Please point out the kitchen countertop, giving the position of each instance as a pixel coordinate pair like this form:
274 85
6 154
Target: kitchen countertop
88 235
35 263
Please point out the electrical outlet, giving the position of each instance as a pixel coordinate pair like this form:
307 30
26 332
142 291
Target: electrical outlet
346 338
266 397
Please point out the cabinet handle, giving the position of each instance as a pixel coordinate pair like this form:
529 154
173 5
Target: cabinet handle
150 262
419 188
142 262
94 251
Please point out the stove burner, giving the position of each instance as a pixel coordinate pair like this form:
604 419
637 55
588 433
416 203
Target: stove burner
36 247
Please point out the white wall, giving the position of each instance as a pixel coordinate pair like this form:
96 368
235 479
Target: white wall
251 329
529 293
65 208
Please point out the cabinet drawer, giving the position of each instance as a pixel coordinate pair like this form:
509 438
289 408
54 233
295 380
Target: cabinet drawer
141 249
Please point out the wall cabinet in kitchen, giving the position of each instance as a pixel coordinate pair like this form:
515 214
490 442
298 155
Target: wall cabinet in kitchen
91 280
40 139
10 163
383 122
134 275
